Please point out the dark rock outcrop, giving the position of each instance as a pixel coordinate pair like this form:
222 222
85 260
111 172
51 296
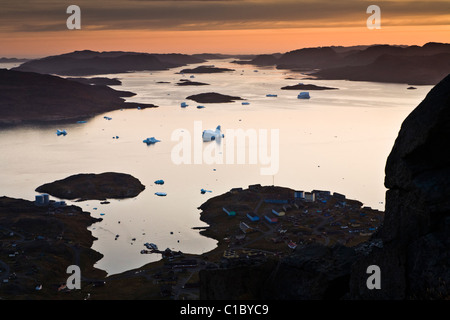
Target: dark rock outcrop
98 81
213 97
307 87
91 186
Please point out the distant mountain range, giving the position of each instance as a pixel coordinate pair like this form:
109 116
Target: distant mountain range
425 65
85 63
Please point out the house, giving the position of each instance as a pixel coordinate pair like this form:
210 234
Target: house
310 196
230 213
253 217
322 193
271 219
254 187
338 196
236 190
292 245
278 213
245 228
299 194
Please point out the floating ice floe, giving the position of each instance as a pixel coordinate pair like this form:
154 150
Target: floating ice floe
61 132
211 135
151 140
159 182
303 95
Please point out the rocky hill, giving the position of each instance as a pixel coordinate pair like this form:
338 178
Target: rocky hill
33 97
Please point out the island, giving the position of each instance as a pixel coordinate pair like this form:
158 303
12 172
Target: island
213 97
90 186
28 97
302 86
185 82
206 69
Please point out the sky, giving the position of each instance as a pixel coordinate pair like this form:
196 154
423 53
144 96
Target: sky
36 28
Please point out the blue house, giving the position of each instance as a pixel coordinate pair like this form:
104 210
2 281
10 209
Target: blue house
252 217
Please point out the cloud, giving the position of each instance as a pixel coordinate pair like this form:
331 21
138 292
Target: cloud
50 15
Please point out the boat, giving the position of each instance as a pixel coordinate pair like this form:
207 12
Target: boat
161 194
151 140
271 95
61 132
159 182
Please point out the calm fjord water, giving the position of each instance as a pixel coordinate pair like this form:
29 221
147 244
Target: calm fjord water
338 140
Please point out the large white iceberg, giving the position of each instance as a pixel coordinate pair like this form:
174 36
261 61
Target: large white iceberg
211 135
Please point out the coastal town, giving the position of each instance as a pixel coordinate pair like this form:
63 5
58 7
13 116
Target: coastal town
251 225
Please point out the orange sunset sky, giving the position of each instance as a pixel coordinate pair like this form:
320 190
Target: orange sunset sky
36 28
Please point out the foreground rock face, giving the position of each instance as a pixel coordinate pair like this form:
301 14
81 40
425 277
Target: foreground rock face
412 248
94 186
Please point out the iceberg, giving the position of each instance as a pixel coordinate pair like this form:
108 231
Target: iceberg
303 95
211 135
151 140
61 132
